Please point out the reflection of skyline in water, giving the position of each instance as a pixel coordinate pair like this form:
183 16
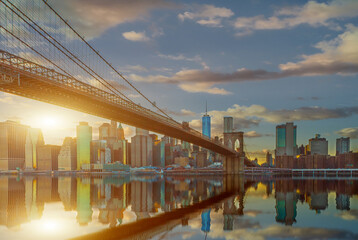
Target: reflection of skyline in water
108 200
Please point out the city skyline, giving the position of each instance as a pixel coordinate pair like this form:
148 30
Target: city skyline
255 68
103 138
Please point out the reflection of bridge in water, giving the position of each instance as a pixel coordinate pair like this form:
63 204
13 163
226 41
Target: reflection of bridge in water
150 227
233 192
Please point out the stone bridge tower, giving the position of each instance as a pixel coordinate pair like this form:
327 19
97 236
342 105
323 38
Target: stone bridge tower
234 164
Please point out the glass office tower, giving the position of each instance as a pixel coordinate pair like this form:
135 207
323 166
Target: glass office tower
84 138
286 143
206 125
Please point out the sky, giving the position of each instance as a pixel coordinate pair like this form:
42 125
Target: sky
263 62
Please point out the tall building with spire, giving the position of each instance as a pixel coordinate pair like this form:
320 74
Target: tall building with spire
206 123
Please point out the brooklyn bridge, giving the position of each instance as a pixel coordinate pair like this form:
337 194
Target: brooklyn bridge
43 57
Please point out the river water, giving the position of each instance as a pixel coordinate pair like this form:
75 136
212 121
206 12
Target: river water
181 207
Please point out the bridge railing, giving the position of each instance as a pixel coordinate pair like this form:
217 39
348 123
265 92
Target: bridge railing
27 67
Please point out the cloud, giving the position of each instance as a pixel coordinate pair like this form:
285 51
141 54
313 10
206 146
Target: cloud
250 116
351 215
203 87
181 113
349 132
185 112
135 36
342 51
181 57
156 31
337 56
283 232
162 69
186 85
254 134
290 115
249 230
94 17
207 15
312 13
133 68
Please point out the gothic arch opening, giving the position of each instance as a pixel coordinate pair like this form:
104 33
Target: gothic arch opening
237 145
229 143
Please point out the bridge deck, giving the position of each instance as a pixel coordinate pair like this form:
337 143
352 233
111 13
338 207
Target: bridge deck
24 78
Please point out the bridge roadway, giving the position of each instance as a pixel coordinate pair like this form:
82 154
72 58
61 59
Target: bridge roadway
25 78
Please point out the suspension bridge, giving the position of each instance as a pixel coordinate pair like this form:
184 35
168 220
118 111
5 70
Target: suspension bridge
43 57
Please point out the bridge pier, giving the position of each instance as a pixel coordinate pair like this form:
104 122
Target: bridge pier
233 164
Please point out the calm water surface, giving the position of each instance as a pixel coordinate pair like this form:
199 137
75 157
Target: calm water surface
138 207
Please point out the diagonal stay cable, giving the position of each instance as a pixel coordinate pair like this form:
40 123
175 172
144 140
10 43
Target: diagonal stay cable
99 55
110 87
37 52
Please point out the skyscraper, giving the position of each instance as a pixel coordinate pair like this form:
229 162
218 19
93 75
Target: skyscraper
34 139
67 158
141 149
318 145
12 145
120 132
108 132
47 157
269 159
101 154
206 124
84 138
286 135
342 145
156 150
228 124
116 141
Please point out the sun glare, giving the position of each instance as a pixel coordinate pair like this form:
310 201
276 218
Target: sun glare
49 121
